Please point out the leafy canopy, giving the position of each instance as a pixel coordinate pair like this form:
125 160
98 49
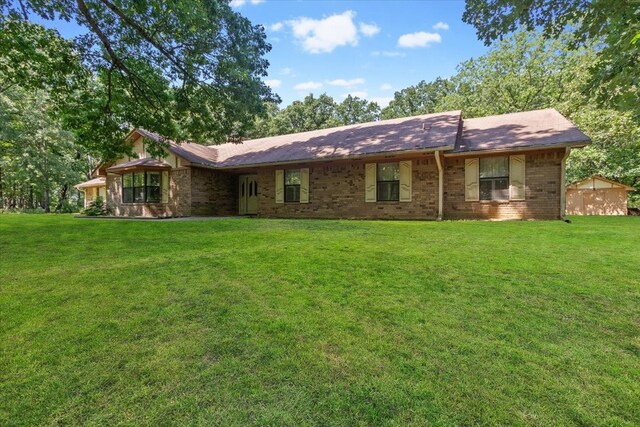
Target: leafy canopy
186 69
613 24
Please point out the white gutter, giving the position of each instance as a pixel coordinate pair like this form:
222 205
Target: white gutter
440 184
493 151
563 187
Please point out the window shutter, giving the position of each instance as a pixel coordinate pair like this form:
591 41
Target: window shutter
471 180
405 181
516 177
370 182
304 185
280 186
165 187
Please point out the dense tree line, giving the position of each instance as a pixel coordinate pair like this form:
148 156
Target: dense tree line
314 113
40 161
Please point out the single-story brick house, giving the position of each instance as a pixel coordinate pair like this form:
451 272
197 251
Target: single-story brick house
434 166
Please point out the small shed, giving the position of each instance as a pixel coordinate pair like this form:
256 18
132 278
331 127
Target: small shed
597 196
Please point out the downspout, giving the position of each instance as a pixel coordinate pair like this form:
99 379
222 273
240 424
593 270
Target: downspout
563 186
440 184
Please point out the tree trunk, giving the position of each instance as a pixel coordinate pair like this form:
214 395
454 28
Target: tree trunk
46 200
62 198
1 192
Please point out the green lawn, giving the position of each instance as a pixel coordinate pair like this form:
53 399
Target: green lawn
276 322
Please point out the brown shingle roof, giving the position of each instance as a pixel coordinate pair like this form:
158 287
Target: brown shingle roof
148 163
530 129
195 153
441 131
426 132
100 181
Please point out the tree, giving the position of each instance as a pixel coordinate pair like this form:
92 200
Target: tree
521 72
422 98
186 69
613 23
39 160
309 114
354 110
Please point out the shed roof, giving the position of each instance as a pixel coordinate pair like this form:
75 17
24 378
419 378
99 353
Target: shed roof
598 182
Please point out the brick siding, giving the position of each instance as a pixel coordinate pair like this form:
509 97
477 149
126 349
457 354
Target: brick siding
213 193
542 193
337 190
179 198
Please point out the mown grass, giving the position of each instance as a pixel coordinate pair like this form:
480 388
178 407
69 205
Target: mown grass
276 322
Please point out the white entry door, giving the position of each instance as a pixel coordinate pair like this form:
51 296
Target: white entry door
248 194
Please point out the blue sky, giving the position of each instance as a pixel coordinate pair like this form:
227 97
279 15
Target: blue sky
367 48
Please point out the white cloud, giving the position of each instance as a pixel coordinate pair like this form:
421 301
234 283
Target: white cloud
286 71
276 27
324 35
419 39
369 30
386 86
311 85
274 83
359 94
387 53
441 26
239 3
382 101
347 83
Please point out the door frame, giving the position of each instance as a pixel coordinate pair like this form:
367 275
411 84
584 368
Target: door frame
243 199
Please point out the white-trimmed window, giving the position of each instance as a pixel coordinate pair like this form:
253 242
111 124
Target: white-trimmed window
494 178
388 182
292 185
142 187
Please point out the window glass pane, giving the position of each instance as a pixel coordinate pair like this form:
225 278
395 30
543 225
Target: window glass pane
389 191
138 179
153 194
127 195
494 189
127 180
486 187
292 193
138 194
388 172
292 177
153 179
494 167
501 189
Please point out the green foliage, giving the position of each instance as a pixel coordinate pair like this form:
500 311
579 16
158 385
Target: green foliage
39 161
520 73
354 110
613 24
97 207
314 113
186 69
423 98
253 322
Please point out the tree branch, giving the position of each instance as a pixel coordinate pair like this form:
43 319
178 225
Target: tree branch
115 59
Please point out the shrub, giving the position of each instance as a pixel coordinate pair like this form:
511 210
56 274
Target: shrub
96 208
